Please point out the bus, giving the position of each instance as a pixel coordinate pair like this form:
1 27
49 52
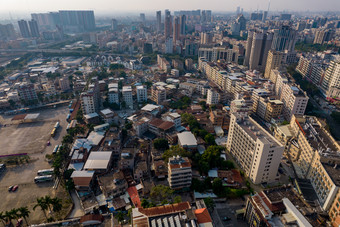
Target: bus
53 132
41 179
45 172
57 125
55 150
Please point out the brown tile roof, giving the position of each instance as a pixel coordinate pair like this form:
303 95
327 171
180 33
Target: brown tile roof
156 122
202 216
19 117
166 125
91 217
165 210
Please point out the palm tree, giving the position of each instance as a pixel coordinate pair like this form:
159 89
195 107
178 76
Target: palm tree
3 218
42 204
24 213
48 201
56 204
10 215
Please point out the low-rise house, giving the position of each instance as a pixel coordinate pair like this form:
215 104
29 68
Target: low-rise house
187 140
82 179
113 185
99 161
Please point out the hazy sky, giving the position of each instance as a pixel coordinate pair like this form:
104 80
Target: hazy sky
16 6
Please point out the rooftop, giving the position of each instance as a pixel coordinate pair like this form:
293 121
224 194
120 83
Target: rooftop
98 160
187 139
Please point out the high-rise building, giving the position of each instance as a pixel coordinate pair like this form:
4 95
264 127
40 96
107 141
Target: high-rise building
169 46
34 28
179 172
264 17
142 93
242 21
258 45
237 10
77 20
294 101
322 36
114 24
284 39
159 20
176 29
332 78
127 96
142 17
206 38
255 150
90 100
167 24
23 26
7 32
274 61
183 19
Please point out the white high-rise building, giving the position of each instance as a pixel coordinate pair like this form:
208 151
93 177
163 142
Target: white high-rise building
142 93
255 150
332 78
113 94
90 99
294 101
212 97
127 96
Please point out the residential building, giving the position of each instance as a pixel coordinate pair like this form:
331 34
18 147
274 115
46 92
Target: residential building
212 97
127 96
294 100
163 64
178 214
90 100
27 92
176 29
274 61
23 26
255 150
159 21
323 36
64 84
158 94
172 117
258 45
113 94
167 24
142 93
187 140
332 77
34 28
179 172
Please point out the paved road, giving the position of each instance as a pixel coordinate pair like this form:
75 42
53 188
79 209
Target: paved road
77 209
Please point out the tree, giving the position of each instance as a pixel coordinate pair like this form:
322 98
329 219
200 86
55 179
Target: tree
24 213
178 199
42 204
56 204
10 215
336 116
209 139
120 217
67 139
174 151
11 103
218 187
209 202
145 203
161 144
160 193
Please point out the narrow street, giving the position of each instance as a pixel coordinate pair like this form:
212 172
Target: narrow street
77 209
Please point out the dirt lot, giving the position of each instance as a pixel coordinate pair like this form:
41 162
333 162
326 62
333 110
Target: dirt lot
29 138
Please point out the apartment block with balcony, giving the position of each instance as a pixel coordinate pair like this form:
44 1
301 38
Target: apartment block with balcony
179 172
255 150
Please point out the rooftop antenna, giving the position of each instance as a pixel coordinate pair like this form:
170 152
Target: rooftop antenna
268 6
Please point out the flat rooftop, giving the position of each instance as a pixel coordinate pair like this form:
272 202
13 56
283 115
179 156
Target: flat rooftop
255 131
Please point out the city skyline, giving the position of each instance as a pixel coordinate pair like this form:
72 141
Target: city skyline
105 6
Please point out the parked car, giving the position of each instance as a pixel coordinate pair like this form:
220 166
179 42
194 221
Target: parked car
19 223
15 188
10 188
48 143
226 218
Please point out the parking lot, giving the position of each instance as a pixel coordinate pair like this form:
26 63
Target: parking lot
29 138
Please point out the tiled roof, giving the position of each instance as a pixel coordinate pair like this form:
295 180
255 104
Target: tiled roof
203 216
164 210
